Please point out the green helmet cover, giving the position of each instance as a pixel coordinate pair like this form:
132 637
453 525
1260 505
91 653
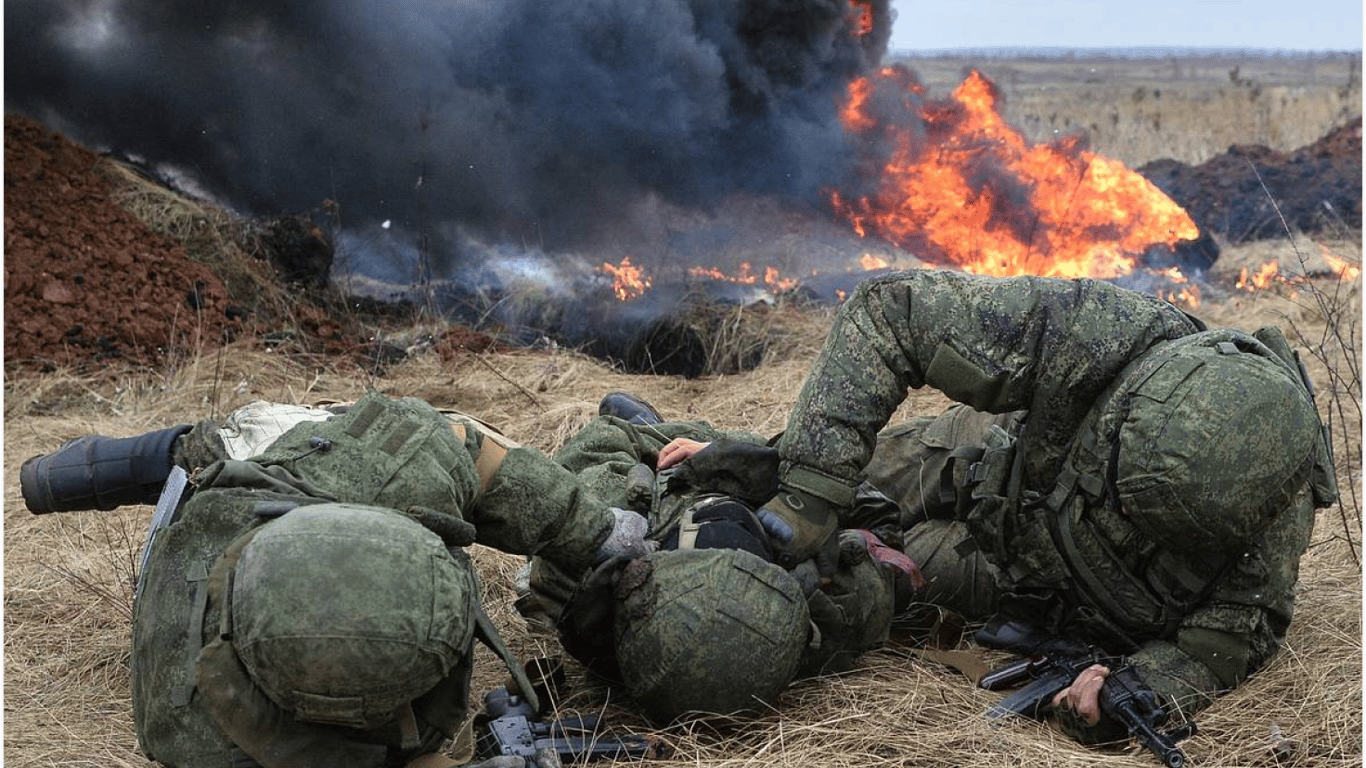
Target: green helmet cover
342 613
1213 444
708 630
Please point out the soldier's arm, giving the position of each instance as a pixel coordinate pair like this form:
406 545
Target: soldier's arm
1049 345
1242 624
527 504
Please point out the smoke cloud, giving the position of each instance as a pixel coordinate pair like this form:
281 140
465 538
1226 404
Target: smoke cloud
537 121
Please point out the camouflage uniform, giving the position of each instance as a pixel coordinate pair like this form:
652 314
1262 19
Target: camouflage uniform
615 460
517 500
446 482
1009 500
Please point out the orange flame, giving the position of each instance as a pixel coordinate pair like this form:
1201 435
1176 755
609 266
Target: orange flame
628 281
870 262
1261 279
772 277
1343 268
1188 296
862 15
964 187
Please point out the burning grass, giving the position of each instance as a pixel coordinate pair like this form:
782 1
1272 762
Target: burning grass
69 577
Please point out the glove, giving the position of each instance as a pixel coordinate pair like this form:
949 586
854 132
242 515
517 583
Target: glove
800 527
627 538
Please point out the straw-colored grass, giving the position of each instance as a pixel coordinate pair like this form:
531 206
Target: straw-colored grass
69 577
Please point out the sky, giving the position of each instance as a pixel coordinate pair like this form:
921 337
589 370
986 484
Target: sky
1310 25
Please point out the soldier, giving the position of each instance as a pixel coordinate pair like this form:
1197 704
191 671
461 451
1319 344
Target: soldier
309 603
1117 473
710 622
714 581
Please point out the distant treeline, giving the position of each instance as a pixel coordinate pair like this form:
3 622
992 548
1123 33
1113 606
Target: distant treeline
1138 52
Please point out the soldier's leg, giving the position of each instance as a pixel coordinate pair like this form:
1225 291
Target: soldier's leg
629 408
200 447
920 464
957 575
98 472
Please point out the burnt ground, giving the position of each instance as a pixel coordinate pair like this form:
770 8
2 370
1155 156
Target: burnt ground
88 285
1252 192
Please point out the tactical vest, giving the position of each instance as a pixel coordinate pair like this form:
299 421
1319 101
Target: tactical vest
1070 561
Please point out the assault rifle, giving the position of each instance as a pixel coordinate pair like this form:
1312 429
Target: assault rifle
1051 664
511 726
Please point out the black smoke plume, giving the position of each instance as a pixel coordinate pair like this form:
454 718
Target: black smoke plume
541 122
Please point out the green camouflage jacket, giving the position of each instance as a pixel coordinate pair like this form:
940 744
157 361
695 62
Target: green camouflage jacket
1049 348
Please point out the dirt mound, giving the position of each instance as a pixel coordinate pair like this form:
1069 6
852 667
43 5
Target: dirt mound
1243 194
88 283
85 281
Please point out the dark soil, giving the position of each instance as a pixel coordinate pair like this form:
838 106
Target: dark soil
1252 192
89 287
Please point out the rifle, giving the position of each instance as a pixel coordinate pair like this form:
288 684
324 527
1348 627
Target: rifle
1051 664
511 726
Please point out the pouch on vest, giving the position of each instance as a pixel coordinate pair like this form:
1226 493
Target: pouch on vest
991 483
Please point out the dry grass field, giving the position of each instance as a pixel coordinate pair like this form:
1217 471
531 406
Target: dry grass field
68 578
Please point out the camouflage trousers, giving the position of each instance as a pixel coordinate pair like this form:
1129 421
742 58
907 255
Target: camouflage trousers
922 466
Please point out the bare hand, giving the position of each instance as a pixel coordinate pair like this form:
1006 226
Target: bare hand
677 450
1083 695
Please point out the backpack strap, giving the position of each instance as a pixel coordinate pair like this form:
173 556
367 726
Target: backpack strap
688 529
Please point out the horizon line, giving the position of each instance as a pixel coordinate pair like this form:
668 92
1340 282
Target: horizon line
1147 50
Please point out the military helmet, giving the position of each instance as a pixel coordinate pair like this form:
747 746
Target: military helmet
343 613
708 630
1216 436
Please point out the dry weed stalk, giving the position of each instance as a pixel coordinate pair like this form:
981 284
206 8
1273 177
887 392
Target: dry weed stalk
1337 347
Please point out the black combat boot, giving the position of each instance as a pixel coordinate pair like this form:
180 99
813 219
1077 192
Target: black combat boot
628 407
95 472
